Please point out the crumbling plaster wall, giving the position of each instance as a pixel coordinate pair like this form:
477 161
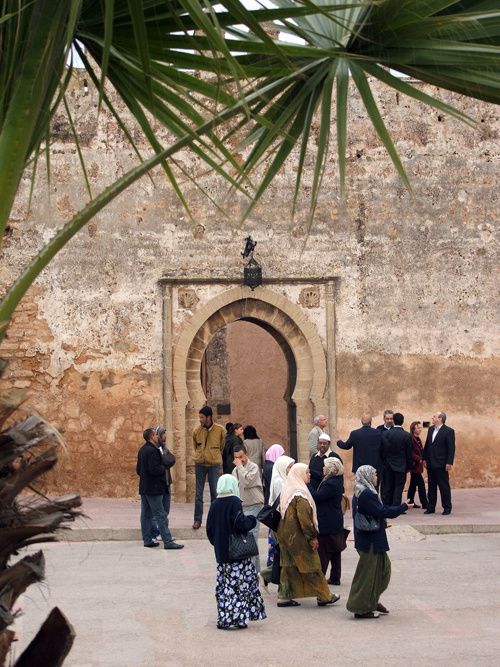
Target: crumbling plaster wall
416 300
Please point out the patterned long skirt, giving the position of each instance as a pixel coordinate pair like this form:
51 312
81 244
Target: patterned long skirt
238 595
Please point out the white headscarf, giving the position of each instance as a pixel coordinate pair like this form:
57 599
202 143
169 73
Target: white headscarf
227 485
279 476
295 485
366 478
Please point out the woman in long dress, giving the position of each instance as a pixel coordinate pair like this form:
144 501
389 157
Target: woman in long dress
373 572
301 574
237 589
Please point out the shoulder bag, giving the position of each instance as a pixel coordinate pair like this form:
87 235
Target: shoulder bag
270 515
365 523
242 546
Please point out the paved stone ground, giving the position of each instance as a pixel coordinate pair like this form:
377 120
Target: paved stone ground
111 518
136 607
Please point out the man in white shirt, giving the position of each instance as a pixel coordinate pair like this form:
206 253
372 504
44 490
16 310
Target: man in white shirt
439 454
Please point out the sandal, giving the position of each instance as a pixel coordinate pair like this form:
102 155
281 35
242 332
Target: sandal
289 603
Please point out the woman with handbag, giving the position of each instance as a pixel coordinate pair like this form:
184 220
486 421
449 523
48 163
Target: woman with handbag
332 535
373 572
301 575
237 589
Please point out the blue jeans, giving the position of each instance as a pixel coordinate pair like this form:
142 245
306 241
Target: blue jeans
165 501
201 473
152 509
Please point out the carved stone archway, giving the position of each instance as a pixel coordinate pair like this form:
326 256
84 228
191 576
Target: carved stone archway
184 353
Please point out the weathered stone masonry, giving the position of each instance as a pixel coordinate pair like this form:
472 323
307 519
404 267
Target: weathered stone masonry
407 309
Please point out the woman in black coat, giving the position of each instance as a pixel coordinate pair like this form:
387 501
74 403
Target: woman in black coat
331 534
237 588
373 572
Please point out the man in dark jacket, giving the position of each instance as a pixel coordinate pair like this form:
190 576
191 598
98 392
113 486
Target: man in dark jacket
439 454
317 461
365 443
152 487
388 421
396 455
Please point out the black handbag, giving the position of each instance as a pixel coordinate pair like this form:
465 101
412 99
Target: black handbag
365 523
270 515
242 546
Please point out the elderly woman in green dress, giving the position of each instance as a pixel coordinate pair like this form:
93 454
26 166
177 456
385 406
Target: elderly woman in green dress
301 574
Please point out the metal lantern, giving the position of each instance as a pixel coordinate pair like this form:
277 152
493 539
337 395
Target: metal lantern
252 274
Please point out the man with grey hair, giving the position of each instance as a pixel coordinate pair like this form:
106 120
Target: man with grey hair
365 443
388 421
439 454
320 422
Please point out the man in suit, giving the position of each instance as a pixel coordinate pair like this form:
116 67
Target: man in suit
388 421
439 454
317 461
396 454
365 443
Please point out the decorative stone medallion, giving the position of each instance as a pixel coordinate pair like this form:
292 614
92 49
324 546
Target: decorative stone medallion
309 297
188 298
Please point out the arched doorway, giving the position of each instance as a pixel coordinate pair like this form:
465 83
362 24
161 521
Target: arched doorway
248 376
184 393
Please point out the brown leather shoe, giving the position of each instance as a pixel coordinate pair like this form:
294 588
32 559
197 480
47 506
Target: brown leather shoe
196 525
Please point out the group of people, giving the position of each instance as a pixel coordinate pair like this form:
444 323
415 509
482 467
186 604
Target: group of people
394 453
310 502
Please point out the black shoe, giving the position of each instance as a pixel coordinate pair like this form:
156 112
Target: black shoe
415 506
445 512
289 603
429 512
332 600
173 545
333 583
153 544
369 614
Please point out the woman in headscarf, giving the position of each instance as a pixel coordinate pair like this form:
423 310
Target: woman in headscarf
237 588
301 574
280 470
274 452
373 572
331 537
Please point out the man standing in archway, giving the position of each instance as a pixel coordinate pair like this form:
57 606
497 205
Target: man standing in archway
320 422
208 442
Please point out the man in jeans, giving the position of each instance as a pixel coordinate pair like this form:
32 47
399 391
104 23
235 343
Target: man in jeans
152 487
250 485
208 443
